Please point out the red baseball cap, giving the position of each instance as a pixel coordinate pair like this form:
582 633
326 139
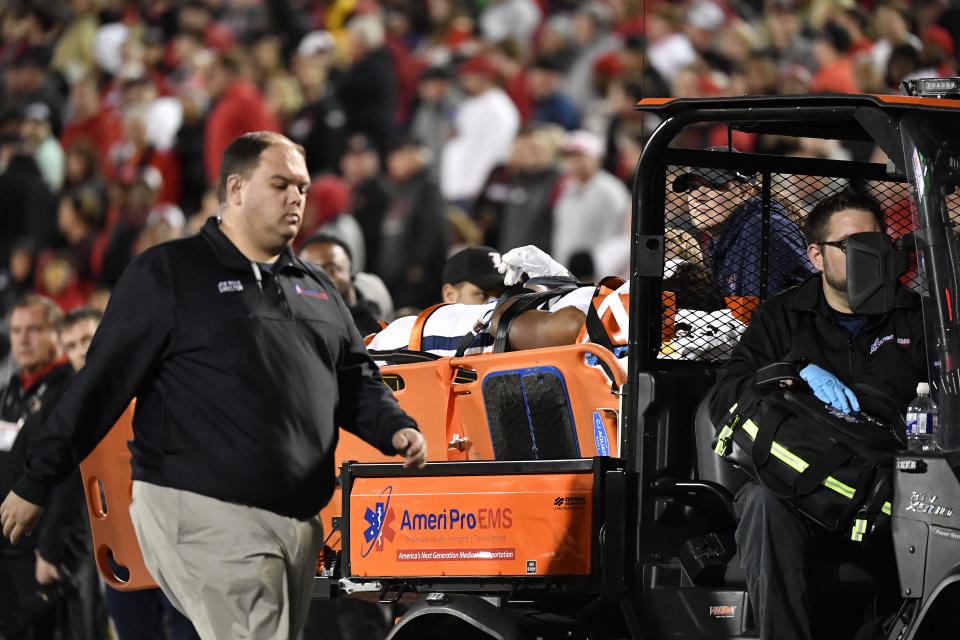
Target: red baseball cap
940 37
480 65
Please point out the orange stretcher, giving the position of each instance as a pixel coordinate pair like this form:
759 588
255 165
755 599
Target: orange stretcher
107 486
447 399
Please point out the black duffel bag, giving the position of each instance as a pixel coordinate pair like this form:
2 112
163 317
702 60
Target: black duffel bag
834 468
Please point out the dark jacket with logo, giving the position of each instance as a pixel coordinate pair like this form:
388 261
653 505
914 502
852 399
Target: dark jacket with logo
735 255
239 388
882 364
62 534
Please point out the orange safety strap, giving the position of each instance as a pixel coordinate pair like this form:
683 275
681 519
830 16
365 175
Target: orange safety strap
614 316
451 416
416 332
602 302
605 287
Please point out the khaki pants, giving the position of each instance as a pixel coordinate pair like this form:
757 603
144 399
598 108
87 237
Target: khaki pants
235 571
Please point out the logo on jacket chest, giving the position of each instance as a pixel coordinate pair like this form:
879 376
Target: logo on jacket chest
310 293
879 342
228 286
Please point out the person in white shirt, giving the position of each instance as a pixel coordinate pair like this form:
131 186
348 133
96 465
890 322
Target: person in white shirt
486 124
593 204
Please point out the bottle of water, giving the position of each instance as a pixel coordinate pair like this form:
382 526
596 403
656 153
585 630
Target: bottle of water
923 421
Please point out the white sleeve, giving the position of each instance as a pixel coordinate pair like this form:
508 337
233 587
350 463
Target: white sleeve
581 298
395 335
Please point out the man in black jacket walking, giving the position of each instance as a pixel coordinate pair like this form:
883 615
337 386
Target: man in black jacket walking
243 360
836 351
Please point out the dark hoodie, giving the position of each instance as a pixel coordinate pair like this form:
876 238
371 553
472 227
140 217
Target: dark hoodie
736 255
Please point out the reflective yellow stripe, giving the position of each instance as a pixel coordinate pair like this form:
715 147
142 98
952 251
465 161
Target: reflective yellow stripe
723 441
843 489
798 464
887 508
859 528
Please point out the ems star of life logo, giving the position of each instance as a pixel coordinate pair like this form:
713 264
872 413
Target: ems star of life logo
379 519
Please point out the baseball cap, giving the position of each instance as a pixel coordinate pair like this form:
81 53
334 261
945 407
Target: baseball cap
835 35
316 42
940 37
35 57
715 176
582 142
480 65
705 15
359 143
548 62
477 265
436 73
403 140
609 65
37 111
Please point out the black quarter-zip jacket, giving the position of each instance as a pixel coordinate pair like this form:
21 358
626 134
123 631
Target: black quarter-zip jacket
241 380
882 364
62 535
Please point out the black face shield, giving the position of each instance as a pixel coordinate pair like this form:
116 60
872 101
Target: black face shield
874 265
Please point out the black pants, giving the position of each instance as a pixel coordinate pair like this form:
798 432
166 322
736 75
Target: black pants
28 611
773 545
147 615
776 546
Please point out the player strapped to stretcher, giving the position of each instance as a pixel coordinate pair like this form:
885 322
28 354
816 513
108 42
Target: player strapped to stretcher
550 309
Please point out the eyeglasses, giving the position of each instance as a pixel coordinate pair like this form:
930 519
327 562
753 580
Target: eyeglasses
839 244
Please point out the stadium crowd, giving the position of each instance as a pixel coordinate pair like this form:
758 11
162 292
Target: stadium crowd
428 126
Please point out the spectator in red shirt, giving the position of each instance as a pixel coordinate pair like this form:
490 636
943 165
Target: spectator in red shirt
58 280
509 62
938 50
835 73
90 121
239 108
134 152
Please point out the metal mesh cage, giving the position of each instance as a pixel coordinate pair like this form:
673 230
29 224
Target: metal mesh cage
733 239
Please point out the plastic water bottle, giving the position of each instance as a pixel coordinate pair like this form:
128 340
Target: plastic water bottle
923 421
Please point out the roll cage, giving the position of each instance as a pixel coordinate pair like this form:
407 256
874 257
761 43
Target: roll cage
918 136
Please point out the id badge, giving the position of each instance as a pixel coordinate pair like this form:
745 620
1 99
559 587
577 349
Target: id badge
8 434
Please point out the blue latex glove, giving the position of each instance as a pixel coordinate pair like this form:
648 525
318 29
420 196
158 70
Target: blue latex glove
826 387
